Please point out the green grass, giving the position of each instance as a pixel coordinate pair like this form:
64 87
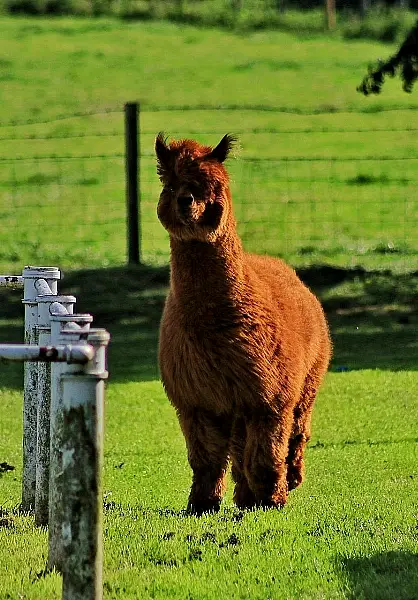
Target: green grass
382 22
350 532
321 195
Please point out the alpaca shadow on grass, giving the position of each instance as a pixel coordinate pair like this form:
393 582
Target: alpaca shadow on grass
374 329
384 576
372 315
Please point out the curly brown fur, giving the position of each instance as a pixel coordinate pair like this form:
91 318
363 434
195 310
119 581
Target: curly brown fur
244 344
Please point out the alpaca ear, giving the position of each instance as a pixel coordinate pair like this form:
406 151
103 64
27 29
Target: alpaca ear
162 151
220 153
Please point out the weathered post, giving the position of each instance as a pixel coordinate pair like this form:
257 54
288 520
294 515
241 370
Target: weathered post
46 305
132 181
64 329
37 280
364 7
331 17
236 6
181 7
82 474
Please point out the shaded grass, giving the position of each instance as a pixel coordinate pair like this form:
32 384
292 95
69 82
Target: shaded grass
376 577
373 316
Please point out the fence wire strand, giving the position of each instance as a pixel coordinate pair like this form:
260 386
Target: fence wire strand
316 207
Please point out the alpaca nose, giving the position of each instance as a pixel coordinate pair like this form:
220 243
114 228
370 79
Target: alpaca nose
185 201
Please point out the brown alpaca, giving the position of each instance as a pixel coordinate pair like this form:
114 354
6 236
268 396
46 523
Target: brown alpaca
244 344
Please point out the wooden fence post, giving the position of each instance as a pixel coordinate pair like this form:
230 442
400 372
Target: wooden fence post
331 17
132 182
364 7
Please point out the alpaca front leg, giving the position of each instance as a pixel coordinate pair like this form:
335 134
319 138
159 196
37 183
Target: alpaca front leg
208 489
243 496
207 438
301 432
265 459
295 460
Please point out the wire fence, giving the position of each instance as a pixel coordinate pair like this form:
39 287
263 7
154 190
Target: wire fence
322 186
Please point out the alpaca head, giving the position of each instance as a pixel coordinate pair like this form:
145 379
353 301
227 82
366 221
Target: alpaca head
195 202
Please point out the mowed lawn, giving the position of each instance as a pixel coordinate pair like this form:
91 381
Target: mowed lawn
331 179
351 530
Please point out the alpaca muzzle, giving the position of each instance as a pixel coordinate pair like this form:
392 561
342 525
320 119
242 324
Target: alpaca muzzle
186 207
185 202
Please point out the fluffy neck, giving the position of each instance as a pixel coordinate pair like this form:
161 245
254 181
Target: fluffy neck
207 274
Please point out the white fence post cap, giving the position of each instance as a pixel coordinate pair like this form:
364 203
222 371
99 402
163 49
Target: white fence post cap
41 272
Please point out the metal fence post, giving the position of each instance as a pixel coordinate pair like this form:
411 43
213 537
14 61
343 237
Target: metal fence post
36 280
132 182
64 329
82 474
45 304
11 281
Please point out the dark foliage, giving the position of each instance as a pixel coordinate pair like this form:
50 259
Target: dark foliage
404 62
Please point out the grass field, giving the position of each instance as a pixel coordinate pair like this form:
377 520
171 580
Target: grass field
351 531
335 187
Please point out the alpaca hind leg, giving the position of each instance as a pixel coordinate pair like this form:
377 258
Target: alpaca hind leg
243 495
207 438
301 433
265 458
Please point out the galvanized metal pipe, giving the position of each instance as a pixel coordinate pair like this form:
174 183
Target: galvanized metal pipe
43 288
46 305
34 279
79 362
72 354
82 474
11 281
77 322
74 331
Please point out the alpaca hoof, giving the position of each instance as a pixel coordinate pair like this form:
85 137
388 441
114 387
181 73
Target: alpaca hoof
271 504
246 505
244 497
293 484
294 479
199 508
